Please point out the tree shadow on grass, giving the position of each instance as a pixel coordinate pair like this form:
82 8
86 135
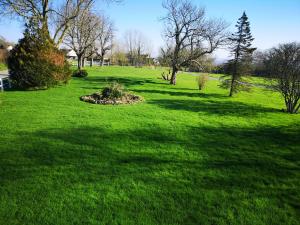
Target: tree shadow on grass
176 92
127 82
226 108
259 162
225 147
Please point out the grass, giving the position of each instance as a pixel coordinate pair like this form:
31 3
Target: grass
2 66
180 157
260 81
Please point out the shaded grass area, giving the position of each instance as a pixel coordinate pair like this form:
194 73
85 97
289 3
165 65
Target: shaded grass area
180 157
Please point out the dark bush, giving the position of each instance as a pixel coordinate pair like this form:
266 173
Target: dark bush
80 73
36 63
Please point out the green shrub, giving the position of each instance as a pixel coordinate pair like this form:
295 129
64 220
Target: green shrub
80 73
36 63
113 91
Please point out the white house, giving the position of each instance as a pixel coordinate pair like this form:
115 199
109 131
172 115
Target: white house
71 55
9 48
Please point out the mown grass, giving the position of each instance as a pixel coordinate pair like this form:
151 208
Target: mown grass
260 81
2 66
180 157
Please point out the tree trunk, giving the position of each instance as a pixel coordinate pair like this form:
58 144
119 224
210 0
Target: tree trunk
102 59
173 77
297 108
232 87
235 73
79 62
292 106
289 106
234 76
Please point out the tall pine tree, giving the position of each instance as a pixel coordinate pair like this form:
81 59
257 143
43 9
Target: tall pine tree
240 65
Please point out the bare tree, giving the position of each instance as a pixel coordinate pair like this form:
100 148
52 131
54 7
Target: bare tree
4 43
190 33
259 68
82 35
105 39
130 45
46 13
137 45
119 54
283 65
165 56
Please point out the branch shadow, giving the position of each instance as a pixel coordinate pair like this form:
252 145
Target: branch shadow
212 107
127 82
260 162
175 92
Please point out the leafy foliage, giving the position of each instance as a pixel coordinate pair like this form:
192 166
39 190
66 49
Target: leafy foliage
36 63
113 91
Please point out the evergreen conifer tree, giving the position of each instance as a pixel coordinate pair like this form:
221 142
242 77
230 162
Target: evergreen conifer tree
242 50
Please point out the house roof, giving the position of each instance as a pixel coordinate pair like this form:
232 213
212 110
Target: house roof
71 53
9 48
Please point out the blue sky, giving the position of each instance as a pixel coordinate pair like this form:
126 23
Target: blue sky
272 21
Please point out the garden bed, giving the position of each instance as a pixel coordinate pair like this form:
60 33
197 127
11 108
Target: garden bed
98 98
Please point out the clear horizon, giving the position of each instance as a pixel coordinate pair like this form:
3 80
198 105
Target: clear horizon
272 22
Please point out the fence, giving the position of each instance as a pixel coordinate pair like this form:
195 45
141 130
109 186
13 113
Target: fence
89 63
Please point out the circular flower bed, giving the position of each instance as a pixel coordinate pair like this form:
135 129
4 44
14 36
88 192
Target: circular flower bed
113 94
98 98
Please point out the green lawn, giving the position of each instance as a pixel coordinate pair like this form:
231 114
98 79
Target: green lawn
261 81
180 157
2 66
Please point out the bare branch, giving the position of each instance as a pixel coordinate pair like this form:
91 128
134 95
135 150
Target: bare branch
191 34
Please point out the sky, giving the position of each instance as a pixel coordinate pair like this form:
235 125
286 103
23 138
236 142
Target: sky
272 21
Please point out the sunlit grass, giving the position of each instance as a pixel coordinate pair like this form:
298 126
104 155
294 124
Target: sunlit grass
2 66
180 157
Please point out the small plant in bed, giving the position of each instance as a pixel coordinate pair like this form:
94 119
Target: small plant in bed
113 94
